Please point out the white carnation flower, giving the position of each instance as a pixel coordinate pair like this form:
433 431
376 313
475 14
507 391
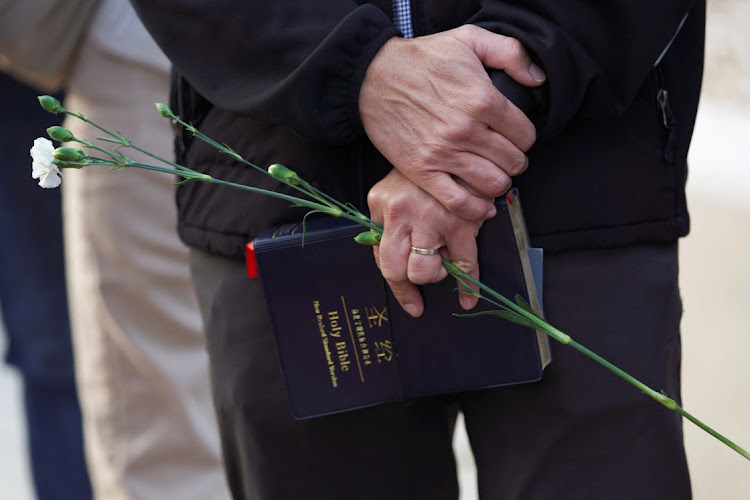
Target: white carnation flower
42 167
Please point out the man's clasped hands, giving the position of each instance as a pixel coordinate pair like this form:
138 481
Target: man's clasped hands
428 105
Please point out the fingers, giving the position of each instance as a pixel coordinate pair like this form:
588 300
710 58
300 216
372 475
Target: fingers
511 125
461 247
415 225
468 205
423 268
393 256
470 266
502 52
429 106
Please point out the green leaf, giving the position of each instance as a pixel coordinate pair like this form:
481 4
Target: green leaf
304 224
521 302
508 315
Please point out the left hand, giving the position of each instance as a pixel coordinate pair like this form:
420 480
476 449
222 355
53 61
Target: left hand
412 217
429 106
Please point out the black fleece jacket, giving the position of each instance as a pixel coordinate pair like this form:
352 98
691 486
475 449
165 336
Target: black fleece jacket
279 82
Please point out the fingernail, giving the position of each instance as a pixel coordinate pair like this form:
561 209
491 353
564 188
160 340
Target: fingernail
466 301
412 310
537 73
491 213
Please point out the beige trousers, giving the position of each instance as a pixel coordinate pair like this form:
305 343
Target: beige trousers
142 368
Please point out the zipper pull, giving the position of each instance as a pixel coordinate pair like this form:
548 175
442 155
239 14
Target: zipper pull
662 99
669 122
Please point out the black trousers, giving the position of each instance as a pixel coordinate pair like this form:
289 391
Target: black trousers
580 433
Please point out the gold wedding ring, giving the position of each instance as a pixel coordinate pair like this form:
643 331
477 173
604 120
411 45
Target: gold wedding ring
423 251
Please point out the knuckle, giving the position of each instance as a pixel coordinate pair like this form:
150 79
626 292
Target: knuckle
457 201
390 274
497 185
517 164
467 30
424 269
484 101
467 265
374 198
396 205
514 51
459 130
501 105
418 278
505 104
527 139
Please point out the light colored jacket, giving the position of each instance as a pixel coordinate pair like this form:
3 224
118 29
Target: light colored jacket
116 30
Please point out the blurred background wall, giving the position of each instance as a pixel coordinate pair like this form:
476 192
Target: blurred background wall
715 273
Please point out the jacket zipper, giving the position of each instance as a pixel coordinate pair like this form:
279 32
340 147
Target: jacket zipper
667 117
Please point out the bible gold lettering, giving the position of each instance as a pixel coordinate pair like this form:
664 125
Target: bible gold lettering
384 351
326 347
376 317
343 354
333 320
334 378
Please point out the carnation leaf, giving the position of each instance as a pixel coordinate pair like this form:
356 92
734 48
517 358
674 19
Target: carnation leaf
521 302
507 315
304 224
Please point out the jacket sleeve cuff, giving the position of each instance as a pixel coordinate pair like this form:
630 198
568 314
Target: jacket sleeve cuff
360 68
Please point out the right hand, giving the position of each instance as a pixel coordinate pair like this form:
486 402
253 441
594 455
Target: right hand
429 107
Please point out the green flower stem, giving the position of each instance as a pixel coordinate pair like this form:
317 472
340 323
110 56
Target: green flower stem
333 211
95 147
661 398
122 140
326 204
191 175
305 187
159 158
565 339
297 201
118 139
345 207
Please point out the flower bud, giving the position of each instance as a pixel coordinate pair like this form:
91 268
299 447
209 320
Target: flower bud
368 238
284 174
69 154
164 110
60 134
50 104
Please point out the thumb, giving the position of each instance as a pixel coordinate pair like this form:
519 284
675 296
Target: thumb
502 52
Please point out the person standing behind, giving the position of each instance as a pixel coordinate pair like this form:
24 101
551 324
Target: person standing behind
34 304
149 422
